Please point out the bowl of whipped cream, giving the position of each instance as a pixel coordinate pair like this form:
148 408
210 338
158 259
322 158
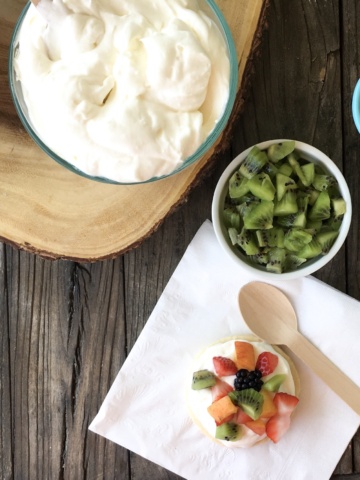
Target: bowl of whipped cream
124 92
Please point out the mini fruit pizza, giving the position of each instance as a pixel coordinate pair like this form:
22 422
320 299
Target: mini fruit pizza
243 391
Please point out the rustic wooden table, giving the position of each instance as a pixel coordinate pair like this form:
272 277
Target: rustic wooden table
67 327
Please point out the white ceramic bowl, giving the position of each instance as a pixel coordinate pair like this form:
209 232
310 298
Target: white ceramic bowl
310 153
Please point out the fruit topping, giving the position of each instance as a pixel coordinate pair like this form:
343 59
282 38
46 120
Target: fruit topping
275 382
266 363
257 426
222 409
241 417
228 431
220 389
203 379
244 355
269 408
245 379
278 424
224 366
249 400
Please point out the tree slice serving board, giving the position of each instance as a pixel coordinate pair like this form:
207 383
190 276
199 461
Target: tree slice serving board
53 212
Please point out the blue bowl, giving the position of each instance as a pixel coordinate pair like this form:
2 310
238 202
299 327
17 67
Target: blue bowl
356 106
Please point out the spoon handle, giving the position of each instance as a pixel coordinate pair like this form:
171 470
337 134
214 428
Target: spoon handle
326 370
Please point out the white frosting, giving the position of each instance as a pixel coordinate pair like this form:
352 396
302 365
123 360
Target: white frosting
124 90
200 400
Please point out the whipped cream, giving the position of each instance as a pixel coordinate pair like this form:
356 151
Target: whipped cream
200 400
125 90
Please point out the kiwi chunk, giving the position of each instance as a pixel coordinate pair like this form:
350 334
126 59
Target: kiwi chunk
253 163
326 238
247 242
284 184
278 151
322 182
238 185
203 379
338 206
275 382
310 250
230 432
249 400
262 187
260 216
321 208
277 258
296 238
287 205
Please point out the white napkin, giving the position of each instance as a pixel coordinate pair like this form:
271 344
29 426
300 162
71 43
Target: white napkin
145 409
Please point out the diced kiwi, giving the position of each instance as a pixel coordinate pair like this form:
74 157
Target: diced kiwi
273 237
203 379
247 242
311 250
275 382
260 217
249 400
284 184
230 432
338 206
287 205
321 208
293 159
322 182
253 163
284 210
232 218
326 238
295 239
278 151
277 257
238 185
261 186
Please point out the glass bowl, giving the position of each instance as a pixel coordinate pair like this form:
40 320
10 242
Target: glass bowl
309 153
210 7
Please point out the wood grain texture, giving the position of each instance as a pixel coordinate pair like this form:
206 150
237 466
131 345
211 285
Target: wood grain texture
67 327
48 210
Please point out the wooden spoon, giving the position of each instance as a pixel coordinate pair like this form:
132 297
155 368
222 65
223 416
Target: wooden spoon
269 315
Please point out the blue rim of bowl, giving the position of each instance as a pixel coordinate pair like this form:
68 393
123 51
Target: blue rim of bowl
356 106
190 160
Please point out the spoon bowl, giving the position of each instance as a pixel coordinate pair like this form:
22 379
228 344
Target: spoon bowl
269 315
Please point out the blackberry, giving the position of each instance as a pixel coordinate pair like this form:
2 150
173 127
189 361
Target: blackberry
248 379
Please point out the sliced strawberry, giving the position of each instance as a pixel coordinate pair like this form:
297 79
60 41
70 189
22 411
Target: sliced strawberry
241 417
266 363
224 366
220 389
277 426
257 426
285 403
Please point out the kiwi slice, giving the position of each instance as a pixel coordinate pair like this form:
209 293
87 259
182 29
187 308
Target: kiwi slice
322 182
276 263
326 238
278 151
253 163
293 160
203 379
287 205
232 218
292 262
261 186
247 242
274 237
231 432
275 382
308 171
310 250
284 184
285 169
338 206
321 208
295 239
238 185
249 400
260 216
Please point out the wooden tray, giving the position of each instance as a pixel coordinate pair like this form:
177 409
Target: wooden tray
50 211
